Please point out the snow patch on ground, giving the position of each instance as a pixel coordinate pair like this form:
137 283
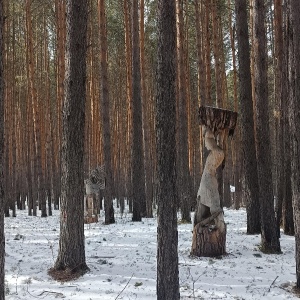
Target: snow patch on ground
122 262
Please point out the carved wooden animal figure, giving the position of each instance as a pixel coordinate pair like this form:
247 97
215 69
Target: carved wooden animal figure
96 181
93 184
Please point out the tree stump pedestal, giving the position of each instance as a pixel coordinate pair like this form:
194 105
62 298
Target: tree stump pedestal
90 212
208 240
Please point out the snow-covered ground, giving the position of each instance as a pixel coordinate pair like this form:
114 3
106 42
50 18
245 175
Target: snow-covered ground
122 262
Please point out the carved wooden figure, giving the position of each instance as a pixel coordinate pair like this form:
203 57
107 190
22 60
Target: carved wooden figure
209 234
93 185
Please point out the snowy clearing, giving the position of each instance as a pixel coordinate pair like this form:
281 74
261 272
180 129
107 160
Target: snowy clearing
122 262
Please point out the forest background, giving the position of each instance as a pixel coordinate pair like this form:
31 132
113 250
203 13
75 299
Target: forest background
34 72
207 74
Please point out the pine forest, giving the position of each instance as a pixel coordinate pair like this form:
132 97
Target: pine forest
175 111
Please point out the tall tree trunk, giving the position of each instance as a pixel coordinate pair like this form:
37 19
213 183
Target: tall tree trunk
138 169
71 256
247 123
284 209
251 39
7 182
219 64
128 50
49 174
199 11
34 107
207 47
13 121
294 108
235 178
201 88
167 234
2 237
183 175
60 73
278 82
217 50
105 109
7 122
269 237
30 162
146 115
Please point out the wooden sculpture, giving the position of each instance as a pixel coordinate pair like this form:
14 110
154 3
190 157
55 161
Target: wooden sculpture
209 234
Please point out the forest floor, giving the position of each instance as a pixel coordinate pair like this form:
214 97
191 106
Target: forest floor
122 262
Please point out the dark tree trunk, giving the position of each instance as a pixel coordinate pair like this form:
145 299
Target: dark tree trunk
34 177
279 82
269 237
294 121
146 117
71 256
284 129
138 166
2 237
49 196
167 234
183 175
287 206
56 188
284 208
29 166
287 212
200 53
40 190
247 123
105 109
238 174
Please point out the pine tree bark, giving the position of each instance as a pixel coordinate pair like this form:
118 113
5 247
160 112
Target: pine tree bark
201 89
269 237
247 122
200 53
207 47
167 234
146 115
48 132
278 61
285 175
138 165
183 175
30 169
105 113
283 207
217 48
128 50
7 182
71 256
60 7
34 107
13 128
2 237
235 146
294 121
